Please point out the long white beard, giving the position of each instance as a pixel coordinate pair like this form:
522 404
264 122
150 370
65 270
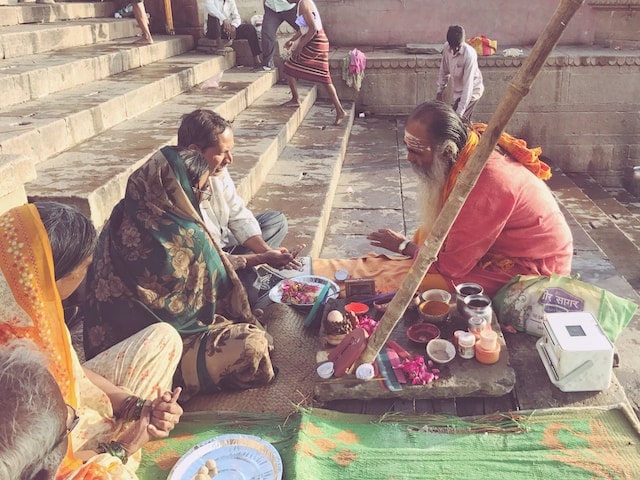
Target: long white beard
431 183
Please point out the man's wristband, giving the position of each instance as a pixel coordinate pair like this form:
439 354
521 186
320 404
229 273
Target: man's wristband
402 247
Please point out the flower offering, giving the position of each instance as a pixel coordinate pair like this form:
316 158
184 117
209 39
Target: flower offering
299 293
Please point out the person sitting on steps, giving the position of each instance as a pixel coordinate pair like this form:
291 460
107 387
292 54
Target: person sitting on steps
223 22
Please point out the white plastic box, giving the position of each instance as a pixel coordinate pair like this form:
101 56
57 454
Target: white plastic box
576 353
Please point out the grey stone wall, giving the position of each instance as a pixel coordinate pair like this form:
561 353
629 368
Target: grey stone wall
583 109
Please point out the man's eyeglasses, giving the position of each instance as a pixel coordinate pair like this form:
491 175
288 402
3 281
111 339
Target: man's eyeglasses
204 194
72 421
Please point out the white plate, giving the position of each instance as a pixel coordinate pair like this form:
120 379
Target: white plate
275 294
242 457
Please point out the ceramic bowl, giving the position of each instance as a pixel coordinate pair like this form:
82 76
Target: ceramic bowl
436 294
434 311
440 350
422 333
381 305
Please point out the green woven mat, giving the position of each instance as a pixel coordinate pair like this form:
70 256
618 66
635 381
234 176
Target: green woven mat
320 444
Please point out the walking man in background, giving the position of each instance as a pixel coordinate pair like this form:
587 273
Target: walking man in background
275 12
460 64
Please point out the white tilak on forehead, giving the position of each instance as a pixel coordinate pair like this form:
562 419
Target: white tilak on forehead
414 143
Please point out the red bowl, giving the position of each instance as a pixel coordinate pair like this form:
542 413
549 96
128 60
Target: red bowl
421 333
357 308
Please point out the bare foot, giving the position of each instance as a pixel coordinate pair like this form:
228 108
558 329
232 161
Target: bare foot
340 117
291 103
144 41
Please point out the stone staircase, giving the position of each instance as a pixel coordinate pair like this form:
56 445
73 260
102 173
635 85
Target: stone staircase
82 106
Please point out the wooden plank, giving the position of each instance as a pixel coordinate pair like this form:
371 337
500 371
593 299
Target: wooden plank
469 406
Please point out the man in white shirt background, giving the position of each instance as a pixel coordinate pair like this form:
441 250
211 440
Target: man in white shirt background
460 65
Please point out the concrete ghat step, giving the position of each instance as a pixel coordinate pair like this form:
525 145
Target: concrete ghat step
619 244
375 189
39 13
92 176
261 133
615 232
303 182
45 127
36 76
21 40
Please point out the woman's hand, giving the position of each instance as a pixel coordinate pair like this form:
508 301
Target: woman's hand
137 434
165 413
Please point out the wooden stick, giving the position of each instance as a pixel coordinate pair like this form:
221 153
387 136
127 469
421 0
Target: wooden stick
168 17
516 91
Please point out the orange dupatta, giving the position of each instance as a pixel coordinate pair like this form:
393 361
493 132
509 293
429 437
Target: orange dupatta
36 314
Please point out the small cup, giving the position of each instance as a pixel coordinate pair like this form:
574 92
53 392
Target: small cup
436 294
325 370
434 311
365 371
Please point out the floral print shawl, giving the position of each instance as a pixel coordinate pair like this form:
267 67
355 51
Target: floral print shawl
155 261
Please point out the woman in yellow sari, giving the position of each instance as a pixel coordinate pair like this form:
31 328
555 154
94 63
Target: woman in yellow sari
122 397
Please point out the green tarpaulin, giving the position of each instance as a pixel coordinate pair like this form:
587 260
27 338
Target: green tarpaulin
319 444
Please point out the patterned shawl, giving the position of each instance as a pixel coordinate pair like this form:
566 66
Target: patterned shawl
30 308
155 261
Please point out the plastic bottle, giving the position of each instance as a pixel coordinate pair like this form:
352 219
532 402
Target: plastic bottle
466 342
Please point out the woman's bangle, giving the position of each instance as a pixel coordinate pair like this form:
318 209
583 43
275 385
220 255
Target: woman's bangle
125 408
131 408
115 449
137 411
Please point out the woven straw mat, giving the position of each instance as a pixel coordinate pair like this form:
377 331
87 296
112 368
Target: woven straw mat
295 356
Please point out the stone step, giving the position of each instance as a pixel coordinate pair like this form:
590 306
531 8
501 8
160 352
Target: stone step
39 75
21 40
22 13
261 133
92 176
613 229
303 182
375 189
44 127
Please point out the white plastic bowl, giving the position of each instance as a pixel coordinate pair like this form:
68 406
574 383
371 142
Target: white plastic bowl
440 350
325 370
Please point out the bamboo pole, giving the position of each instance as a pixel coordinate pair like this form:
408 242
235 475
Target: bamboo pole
518 88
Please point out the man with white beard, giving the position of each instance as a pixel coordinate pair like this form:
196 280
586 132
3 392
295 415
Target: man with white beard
509 225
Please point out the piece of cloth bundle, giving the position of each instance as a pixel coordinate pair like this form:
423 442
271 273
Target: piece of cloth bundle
483 45
353 66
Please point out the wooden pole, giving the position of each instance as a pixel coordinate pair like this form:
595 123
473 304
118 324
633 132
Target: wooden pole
518 88
168 17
